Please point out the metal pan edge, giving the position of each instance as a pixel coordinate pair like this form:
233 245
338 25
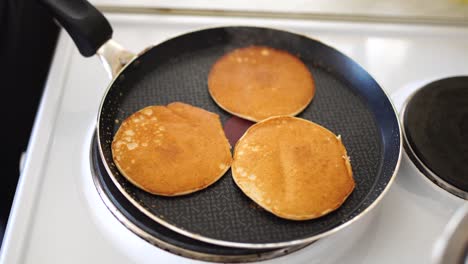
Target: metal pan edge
240 244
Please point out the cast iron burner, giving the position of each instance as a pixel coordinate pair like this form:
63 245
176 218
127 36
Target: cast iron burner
162 237
435 126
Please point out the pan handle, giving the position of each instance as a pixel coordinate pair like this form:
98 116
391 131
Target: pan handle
114 57
88 27
90 31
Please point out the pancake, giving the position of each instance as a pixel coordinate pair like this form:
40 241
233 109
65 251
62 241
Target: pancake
293 168
171 150
258 82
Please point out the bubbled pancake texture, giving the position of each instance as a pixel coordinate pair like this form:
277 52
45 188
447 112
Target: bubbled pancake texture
293 168
259 82
171 150
222 211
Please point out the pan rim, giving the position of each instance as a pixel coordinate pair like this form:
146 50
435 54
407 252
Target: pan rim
243 244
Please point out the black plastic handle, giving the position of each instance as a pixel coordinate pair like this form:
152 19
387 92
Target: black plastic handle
88 27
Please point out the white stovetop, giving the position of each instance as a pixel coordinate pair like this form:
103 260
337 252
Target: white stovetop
58 217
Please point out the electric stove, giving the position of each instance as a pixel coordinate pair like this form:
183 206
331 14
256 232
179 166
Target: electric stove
61 215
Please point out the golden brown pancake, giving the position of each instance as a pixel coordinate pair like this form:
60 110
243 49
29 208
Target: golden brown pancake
259 82
171 150
293 168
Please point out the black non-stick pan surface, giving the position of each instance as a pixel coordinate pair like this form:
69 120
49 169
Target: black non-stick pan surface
348 101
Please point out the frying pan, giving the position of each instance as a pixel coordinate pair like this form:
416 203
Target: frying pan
348 101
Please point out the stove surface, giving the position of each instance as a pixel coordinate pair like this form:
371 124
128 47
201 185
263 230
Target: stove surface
58 216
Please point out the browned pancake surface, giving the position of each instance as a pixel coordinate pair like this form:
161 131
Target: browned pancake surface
259 82
171 150
293 168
